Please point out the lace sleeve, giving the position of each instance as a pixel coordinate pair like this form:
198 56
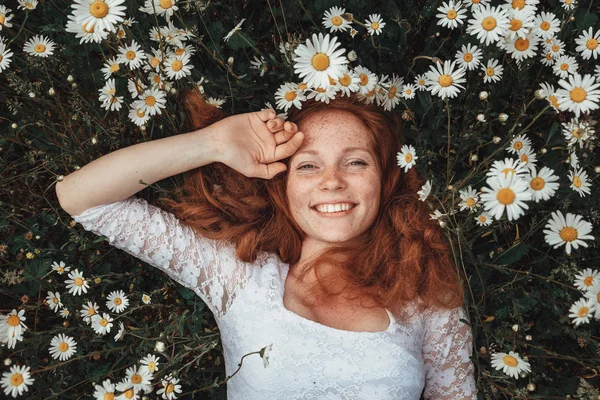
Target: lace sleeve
447 346
208 267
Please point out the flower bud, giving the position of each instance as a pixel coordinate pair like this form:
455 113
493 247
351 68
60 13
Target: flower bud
515 327
502 117
523 375
159 347
14 125
352 56
474 157
481 118
531 387
543 150
94 140
539 94
483 95
597 169
31 94
173 91
528 337
496 139
70 78
230 61
7 361
74 85
443 224
51 91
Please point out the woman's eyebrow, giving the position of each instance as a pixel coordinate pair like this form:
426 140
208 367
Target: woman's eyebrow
345 150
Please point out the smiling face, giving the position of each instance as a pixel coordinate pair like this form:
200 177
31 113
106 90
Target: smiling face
332 174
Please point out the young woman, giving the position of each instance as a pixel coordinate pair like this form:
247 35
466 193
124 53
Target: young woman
304 237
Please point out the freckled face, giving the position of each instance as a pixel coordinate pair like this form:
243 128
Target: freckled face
332 174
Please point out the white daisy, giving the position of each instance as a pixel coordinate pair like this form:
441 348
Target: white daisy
89 310
154 59
521 22
573 160
546 25
135 87
108 95
569 231
374 24
527 156
131 55
236 28
475 3
469 57
406 157
146 299
16 381
157 81
393 92
547 58
39 46
12 327
153 101
259 65
289 95
508 166
54 302
581 311
436 215
493 71
580 94
5 56
117 301
121 333
334 21
542 184
556 47
367 79
317 60
425 191
484 219
129 393
4 17
141 379
527 5
587 44
321 94
549 93
348 83
60 268
150 363
469 199
507 192
353 32
105 391
564 66
65 313
421 82
86 33
522 48
597 72
111 66
77 283
511 364
489 24
62 347
568 4
445 81
594 295
451 14
587 279
215 102
576 131
160 7
579 182
409 91
103 15
102 324
137 115
169 387
178 67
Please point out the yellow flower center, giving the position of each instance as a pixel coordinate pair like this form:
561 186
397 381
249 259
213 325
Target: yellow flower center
129 394
568 234
489 71
553 101
166 4
91 311
591 44
320 61
518 4
578 94
140 113
109 396
16 379
482 218
525 158
451 14
555 48
120 33
170 388
518 145
506 171
13 320
374 25
588 281
179 51
392 92
345 80
510 361
302 86
445 80
564 66
130 55
156 79
545 25
64 346
84 27
468 57
39 48
150 100
103 322
118 301
488 23
568 2
516 24
60 270
364 79
421 82
114 68
408 158
99 9
111 91
2 19
136 378
577 181
331 80
151 366
537 183
55 300
177 65
155 62
78 281
336 20
408 92
470 202
320 90
522 44
290 96
583 311
505 196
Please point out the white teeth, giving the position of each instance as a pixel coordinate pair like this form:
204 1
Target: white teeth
334 207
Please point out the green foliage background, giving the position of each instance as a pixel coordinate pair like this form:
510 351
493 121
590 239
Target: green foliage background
514 277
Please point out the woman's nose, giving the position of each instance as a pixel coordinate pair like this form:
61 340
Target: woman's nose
332 178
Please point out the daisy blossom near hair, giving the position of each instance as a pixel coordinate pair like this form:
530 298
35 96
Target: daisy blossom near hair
581 311
215 102
511 364
153 101
334 21
579 181
580 94
493 71
445 81
451 14
137 115
409 91
62 347
102 15
393 93
317 60
178 67
374 24
587 44
76 283
469 57
469 199
289 95
570 231
542 184
322 94
489 24
348 83
16 381
39 46
407 157
586 279
367 79
425 191
505 192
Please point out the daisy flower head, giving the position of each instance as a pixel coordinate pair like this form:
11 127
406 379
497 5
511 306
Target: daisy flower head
39 46
489 24
111 66
334 21
146 299
88 311
522 48
16 381
542 184
484 219
322 94
475 3
421 82
153 101
393 92
105 391
507 167
446 81
511 364
409 91
154 59
407 157
103 15
139 379
86 33
62 347
593 294
178 67
469 199
582 310
102 324
316 61
5 56
576 131
54 302
425 191
493 71
506 192
374 24
528 5
4 17
451 14
121 333
60 268
160 7
570 231
564 66
517 143
215 102
597 72
546 25
128 392
586 279
579 94
65 313
137 115
117 301
521 22
259 65
527 157
348 83
579 182
12 327
367 79
573 160
238 27
135 87
150 362
587 44
289 95
76 283
568 4
548 92
547 58
469 57
556 47
157 81
169 387
436 215
131 55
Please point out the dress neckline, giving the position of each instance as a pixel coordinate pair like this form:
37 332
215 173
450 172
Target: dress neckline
285 271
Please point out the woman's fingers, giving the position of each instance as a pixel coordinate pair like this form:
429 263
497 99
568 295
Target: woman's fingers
289 129
266 114
288 148
275 125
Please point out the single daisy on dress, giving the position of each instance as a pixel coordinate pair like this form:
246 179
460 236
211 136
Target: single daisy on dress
334 20
348 83
393 93
140 380
106 391
579 95
259 65
469 57
521 22
160 7
546 25
111 66
522 48
289 95
121 333
16 381
548 92
506 192
54 302
215 102
39 46
117 301
178 67
150 363
421 82
587 44
88 311
565 66
322 94
62 347
568 4
409 91
445 81
86 33
76 283
367 79
493 71
542 184
484 219
469 199
153 101
407 157
582 310
594 295
425 191
316 61
374 24
131 55
511 364
4 17
169 387
576 131
5 56
489 24
579 182
102 324
517 143
146 299
103 15
527 156
587 279
508 166
60 268
571 230
451 14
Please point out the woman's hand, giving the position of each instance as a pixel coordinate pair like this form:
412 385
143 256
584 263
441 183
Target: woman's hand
252 143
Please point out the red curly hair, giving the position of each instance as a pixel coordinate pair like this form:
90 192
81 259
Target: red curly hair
403 257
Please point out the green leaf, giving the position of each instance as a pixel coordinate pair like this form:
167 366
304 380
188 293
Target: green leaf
513 254
585 19
240 40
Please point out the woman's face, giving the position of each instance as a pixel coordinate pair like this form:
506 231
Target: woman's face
324 170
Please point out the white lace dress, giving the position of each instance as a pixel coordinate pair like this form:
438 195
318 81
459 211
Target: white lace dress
428 357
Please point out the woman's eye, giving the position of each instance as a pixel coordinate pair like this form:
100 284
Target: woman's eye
310 165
